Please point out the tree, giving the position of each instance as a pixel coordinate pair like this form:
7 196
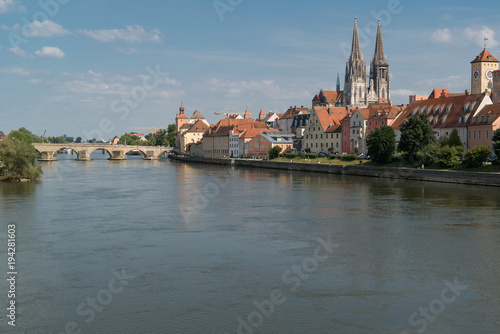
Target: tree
78 140
477 156
496 143
1 132
171 134
274 152
56 140
19 159
416 134
25 135
447 156
454 140
381 144
427 155
161 138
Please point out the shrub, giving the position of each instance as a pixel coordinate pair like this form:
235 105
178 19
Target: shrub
447 157
291 155
302 155
274 152
477 156
349 157
381 144
311 156
334 156
426 156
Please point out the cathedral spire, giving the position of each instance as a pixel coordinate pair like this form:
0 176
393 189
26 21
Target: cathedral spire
356 49
338 83
379 57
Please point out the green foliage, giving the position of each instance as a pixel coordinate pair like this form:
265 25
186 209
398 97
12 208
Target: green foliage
348 157
416 134
291 155
302 155
78 140
426 156
447 157
274 152
130 140
381 144
19 159
171 135
334 156
24 135
1 132
496 143
454 140
56 140
477 156
311 156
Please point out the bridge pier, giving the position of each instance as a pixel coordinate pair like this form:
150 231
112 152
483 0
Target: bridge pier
83 155
117 155
150 155
47 156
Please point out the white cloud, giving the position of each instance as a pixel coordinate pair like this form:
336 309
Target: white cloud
402 92
476 35
131 35
35 81
128 51
15 71
46 28
441 36
50 51
7 5
18 52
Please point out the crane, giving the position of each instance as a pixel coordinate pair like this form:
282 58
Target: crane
227 113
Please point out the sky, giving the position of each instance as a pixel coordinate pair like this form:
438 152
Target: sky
100 68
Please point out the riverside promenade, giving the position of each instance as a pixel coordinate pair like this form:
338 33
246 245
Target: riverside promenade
428 175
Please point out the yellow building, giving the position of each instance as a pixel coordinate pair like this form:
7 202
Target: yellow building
482 69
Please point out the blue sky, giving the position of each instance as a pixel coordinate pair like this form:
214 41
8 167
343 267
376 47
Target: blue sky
100 68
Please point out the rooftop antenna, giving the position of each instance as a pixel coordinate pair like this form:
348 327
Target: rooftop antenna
485 40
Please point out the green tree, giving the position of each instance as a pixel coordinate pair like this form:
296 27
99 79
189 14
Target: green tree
19 160
477 156
274 152
447 156
25 135
427 155
161 138
1 132
381 144
78 140
454 140
56 140
171 134
416 134
129 139
496 143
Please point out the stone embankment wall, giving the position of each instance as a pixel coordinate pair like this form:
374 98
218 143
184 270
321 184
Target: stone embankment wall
429 175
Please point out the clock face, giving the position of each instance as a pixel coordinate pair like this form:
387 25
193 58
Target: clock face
476 75
489 74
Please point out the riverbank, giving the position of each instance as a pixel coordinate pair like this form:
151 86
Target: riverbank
458 177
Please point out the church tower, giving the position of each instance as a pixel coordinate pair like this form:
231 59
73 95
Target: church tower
482 69
380 80
355 88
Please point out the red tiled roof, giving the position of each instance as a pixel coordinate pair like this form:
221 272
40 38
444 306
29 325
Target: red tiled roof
445 112
250 133
485 56
290 113
330 116
197 115
181 116
492 110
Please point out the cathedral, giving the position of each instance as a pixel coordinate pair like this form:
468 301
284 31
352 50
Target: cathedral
359 89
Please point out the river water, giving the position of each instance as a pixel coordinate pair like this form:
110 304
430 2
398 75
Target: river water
166 247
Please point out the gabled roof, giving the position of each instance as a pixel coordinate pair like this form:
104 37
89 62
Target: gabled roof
197 115
181 116
445 112
225 126
330 116
199 126
485 57
292 111
486 116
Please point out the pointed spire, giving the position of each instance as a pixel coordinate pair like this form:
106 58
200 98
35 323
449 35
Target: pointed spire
356 49
247 114
379 56
338 82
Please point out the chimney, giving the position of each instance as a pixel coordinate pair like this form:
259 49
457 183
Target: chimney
467 92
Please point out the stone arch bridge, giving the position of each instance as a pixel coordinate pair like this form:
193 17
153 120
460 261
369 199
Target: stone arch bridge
83 151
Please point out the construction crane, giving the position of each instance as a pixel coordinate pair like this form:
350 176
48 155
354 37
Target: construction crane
153 129
227 113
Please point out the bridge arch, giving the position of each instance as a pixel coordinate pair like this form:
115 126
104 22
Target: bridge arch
93 149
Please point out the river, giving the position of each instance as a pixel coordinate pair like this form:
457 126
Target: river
165 247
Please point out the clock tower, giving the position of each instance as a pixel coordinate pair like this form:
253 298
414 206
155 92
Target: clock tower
482 72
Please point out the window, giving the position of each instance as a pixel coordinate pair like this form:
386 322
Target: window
321 136
376 123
